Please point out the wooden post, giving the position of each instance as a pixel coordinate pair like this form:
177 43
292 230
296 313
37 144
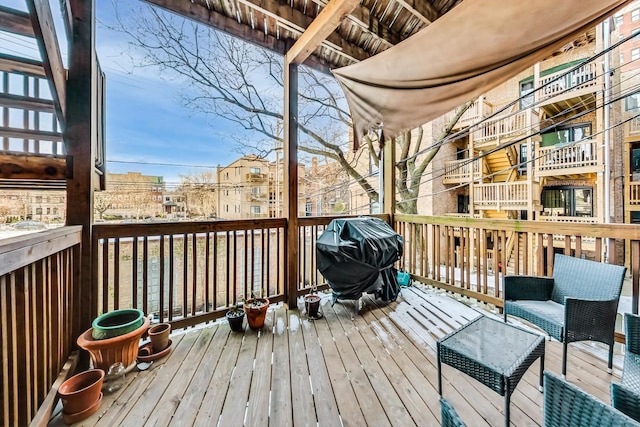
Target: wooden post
291 178
79 136
389 177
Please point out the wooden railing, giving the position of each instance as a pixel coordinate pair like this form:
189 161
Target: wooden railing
582 154
573 219
510 126
38 318
459 171
456 254
478 111
634 193
633 126
581 78
501 196
190 272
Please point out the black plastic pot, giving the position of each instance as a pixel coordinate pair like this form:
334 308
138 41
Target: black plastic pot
236 320
312 305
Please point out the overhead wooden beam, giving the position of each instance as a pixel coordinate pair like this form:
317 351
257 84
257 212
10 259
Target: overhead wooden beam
16 22
14 64
298 21
423 10
32 166
324 24
26 103
199 13
45 31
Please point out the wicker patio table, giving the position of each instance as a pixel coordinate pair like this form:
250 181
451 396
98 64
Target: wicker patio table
495 353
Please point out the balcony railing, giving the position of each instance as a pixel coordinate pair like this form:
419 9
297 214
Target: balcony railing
456 254
478 111
634 193
38 319
260 197
584 77
501 196
507 127
256 177
582 156
573 219
459 171
633 125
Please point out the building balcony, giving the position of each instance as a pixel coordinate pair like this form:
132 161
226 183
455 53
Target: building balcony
503 195
505 128
560 90
182 276
256 177
459 171
478 111
570 158
634 193
632 127
262 196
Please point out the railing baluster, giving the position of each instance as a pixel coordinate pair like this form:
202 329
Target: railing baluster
116 274
161 280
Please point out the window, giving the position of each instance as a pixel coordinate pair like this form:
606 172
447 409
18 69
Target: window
635 162
527 97
38 211
567 201
522 166
635 14
632 102
463 203
622 58
618 19
254 170
635 54
308 208
255 191
566 134
255 209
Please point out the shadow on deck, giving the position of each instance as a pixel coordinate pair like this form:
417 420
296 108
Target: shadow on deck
376 368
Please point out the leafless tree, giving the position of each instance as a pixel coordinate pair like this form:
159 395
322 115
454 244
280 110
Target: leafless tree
199 192
232 79
102 202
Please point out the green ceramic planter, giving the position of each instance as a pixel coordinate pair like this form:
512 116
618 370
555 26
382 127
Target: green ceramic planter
116 323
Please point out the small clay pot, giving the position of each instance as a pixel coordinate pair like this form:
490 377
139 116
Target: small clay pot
159 336
256 311
81 391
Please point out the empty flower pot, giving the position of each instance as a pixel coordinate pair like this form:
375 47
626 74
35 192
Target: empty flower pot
159 336
81 391
123 348
312 304
116 323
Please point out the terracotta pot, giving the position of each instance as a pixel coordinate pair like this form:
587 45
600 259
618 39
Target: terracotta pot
312 304
81 391
256 311
105 353
116 323
159 335
236 320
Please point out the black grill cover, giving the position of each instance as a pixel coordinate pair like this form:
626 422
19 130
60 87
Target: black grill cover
356 255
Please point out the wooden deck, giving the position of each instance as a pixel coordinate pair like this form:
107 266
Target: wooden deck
377 368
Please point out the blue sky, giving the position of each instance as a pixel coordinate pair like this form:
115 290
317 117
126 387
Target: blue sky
145 121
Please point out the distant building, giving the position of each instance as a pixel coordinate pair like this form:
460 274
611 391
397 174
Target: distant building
48 206
131 195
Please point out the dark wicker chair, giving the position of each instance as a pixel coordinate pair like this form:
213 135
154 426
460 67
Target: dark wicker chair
631 369
450 417
626 396
565 405
578 303
625 400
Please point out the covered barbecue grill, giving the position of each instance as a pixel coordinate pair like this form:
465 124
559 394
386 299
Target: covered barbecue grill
356 256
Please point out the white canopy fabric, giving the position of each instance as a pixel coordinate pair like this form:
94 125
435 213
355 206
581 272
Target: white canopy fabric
470 50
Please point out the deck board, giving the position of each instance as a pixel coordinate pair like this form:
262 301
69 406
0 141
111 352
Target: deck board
374 368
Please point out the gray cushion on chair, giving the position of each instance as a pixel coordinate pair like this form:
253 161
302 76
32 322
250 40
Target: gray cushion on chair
546 311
